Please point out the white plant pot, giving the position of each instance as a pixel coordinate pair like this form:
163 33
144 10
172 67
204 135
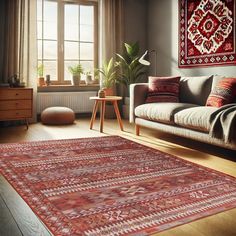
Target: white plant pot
88 79
75 80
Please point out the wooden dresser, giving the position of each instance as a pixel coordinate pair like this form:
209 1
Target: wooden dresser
16 104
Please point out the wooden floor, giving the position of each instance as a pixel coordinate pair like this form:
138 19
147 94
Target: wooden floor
16 218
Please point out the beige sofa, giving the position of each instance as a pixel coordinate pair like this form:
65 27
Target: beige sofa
188 118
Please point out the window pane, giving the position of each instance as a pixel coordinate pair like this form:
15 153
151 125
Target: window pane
86 33
87 65
72 14
50 49
71 50
86 15
39 29
86 51
39 10
50 68
71 22
71 32
50 30
67 74
50 20
50 11
40 49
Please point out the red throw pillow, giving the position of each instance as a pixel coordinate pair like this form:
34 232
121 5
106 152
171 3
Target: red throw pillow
163 89
223 93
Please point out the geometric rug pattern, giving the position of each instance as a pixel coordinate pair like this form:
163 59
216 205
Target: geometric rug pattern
112 186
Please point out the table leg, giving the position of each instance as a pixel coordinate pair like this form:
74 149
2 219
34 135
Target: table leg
95 107
137 129
118 115
102 114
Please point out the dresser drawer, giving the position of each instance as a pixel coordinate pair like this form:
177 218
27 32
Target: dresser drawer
15 94
15 114
15 105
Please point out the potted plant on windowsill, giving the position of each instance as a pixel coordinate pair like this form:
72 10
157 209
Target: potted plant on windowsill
40 70
76 72
88 79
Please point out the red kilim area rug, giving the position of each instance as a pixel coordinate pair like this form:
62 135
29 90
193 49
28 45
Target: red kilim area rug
112 186
207 32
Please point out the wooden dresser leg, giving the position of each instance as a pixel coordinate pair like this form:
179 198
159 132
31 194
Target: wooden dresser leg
137 130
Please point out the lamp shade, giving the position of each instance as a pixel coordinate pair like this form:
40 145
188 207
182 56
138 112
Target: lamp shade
144 59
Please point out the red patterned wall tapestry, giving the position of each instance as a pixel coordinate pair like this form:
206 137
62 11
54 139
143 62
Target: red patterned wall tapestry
207 33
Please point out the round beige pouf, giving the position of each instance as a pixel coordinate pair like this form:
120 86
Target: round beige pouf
57 116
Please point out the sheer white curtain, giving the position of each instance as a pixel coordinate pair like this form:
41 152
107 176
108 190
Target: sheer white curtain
27 50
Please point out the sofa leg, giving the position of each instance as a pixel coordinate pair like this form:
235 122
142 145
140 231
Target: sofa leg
137 130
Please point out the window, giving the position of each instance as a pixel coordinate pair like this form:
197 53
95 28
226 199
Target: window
66 35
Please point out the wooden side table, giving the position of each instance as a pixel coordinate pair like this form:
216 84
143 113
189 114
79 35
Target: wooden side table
113 100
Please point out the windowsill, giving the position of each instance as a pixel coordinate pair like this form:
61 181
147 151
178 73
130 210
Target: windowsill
68 88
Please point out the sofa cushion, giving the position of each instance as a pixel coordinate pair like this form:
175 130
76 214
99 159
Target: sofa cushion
162 112
223 93
215 80
195 118
195 89
163 89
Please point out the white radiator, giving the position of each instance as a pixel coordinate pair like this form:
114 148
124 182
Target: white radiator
78 101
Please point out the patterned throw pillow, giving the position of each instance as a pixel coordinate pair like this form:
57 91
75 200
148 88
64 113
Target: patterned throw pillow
223 93
163 89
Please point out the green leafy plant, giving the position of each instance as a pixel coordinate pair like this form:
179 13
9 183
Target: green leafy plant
40 70
108 72
76 69
130 69
96 75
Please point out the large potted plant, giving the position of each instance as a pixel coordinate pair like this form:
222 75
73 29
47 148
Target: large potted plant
109 77
130 71
76 72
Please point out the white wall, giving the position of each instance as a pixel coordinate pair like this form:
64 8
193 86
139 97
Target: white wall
163 36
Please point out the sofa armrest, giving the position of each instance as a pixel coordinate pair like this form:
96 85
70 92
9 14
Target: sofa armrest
138 93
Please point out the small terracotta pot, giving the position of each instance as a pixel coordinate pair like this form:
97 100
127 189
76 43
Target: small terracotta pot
108 91
41 81
101 93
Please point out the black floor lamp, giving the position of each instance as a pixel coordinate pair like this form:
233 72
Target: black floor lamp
144 59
